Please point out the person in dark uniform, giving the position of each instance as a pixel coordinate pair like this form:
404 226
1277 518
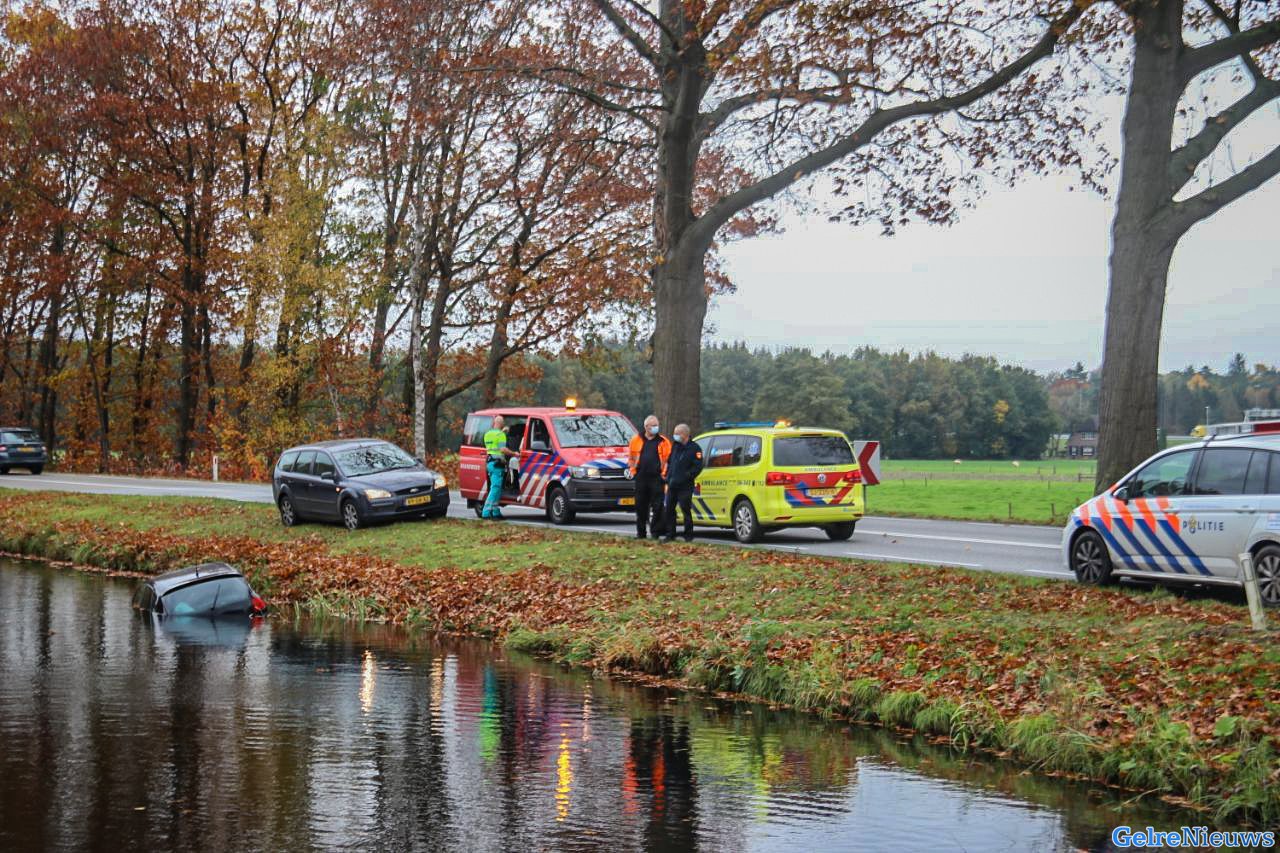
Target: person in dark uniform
647 465
683 467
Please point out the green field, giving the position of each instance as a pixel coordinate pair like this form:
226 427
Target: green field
1030 492
1146 689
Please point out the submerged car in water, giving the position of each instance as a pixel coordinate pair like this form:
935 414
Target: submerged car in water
356 481
209 589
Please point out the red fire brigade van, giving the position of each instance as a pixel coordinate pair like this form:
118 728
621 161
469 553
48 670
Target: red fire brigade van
571 460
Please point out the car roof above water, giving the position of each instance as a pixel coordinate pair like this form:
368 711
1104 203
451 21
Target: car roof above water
189 574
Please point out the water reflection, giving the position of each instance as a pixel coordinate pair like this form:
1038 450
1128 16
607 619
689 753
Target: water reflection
114 730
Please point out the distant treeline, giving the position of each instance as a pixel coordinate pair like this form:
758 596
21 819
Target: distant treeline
1183 395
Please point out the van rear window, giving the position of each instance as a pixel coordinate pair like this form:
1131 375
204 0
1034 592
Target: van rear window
812 450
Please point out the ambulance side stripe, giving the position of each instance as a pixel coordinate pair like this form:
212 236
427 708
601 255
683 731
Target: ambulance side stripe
706 509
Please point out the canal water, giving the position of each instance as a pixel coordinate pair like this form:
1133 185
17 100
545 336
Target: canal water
118 733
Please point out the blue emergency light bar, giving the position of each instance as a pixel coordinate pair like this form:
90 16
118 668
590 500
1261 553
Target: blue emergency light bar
743 424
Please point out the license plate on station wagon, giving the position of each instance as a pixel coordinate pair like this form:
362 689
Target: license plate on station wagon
28 450
822 493
418 501
626 501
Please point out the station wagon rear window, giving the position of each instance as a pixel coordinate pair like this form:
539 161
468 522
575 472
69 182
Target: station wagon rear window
17 436
812 450
593 430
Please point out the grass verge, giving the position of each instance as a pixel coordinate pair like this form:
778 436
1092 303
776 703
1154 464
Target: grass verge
1140 689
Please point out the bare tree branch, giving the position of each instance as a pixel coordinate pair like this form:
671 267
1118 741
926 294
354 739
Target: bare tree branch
628 32
703 231
1210 201
1237 44
1184 160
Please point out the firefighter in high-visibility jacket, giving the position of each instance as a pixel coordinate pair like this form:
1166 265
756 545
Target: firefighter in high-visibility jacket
496 455
647 465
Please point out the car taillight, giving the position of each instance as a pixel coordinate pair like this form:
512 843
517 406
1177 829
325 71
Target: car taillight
258 604
854 476
3 448
779 478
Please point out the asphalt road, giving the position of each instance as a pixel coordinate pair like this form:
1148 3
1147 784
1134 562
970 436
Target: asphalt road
1019 549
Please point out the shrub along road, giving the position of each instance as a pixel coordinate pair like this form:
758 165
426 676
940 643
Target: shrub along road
1148 690
1022 549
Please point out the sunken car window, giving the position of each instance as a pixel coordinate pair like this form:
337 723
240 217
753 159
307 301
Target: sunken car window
812 450
214 596
373 459
593 430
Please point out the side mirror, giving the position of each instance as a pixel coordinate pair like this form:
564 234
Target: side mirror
1121 494
538 445
331 476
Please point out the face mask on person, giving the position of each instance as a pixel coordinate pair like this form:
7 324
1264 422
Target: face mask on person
681 438
653 430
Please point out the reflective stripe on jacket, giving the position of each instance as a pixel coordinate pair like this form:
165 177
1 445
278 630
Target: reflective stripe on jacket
637 444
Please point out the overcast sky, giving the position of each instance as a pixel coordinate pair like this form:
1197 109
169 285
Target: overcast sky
1023 277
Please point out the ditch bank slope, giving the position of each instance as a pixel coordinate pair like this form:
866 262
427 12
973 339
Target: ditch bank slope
1146 690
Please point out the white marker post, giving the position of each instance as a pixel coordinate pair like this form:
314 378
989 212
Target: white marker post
215 467
1251 593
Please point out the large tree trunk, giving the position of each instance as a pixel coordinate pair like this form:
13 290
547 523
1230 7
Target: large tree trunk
48 425
1143 239
189 371
681 307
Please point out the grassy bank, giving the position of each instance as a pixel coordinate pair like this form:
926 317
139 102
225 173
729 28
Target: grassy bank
1145 690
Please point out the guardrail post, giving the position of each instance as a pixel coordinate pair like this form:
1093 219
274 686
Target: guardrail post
1251 593
215 467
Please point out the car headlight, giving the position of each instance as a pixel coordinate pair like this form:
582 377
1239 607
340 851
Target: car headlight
376 494
582 472
441 482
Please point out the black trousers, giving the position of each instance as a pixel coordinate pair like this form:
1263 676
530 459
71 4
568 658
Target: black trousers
648 504
681 496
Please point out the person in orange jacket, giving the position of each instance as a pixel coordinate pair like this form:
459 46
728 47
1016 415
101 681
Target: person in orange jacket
647 465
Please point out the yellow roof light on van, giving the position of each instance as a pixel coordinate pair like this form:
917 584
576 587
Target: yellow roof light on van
571 403
783 425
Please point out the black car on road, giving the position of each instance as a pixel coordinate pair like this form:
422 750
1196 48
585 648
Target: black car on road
355 481
21 448
209 589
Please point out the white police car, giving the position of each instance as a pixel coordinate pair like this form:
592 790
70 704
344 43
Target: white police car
1184 516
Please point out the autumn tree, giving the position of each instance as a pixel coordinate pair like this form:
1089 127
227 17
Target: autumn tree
1160 198
745 100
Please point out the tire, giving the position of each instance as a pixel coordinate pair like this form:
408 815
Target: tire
350 515
746 524
559 509
840 531
1089 559
1266 564
288 512
36 470
4 471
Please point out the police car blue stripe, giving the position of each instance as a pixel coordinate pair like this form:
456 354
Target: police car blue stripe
1168 555
1140 551
1111 540
1185 548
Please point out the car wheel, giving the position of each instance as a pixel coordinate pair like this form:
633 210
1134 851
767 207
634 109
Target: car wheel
840 531
1266 565
1090 560
559 510
350 515
36 469
288 515
746 525
4 470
